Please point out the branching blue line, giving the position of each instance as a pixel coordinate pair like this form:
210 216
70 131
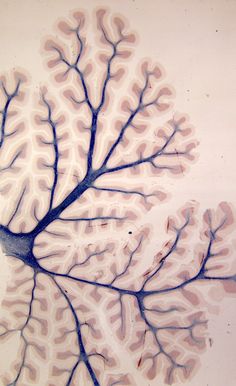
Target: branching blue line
154 330
88 181
209 253
4 113
92 141
21 245
77 70
150 159
120 136
68 383
122 191
83 356
127 124
81 46
93 283
52 124
54 213
108 74
97 111
165 257
14 383
140 294
99 253
125 269
17 207
11 164
84 85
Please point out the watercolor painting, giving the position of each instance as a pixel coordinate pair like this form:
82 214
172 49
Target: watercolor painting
97 295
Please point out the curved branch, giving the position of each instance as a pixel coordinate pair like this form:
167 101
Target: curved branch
54 143
142 160
83 357
4 112
26 344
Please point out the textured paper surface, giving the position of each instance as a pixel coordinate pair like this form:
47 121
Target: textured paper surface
195 43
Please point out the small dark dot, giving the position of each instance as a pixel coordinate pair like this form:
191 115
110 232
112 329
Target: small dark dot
66 291
217 30
130 233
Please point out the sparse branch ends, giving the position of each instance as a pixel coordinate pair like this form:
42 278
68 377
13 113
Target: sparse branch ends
72 226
